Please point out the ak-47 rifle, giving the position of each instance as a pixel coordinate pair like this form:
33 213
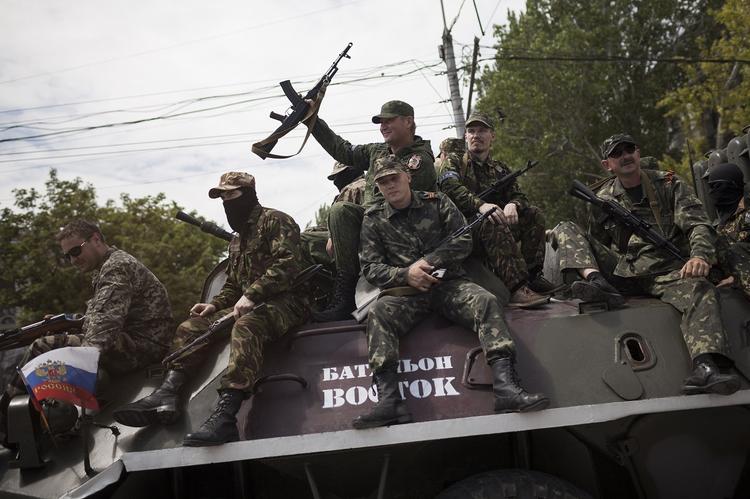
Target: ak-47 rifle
23 336
504 182
624 217
207 227
301 111
228 320
362 310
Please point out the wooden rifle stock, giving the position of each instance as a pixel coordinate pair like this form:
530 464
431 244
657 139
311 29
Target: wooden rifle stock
23 336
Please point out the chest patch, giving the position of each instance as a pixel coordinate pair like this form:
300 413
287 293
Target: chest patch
414 162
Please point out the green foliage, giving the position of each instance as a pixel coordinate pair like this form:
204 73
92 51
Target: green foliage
37 279
560 111
321 217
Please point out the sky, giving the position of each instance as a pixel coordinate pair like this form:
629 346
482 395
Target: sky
200 78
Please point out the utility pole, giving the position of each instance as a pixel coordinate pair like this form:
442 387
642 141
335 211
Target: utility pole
473 73
446 54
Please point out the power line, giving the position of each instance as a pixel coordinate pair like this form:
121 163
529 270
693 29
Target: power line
594 58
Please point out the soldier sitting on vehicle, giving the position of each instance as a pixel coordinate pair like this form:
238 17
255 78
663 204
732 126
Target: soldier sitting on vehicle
449 146
727 191
128 319
402 245
462 177
606 259
263 261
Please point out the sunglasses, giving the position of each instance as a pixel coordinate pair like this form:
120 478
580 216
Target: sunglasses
75 251
618 151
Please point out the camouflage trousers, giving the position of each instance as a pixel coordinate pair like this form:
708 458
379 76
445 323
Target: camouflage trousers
694 297
247 337
344 224
313 243
495 246
734 259
529 232
460 300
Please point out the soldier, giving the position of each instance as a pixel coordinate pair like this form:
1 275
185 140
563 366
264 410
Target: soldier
462 177
449 146
128 319
264 258
726 188
397 126
400 238
607 254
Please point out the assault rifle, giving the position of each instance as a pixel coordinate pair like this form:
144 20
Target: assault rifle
361 313
506 181
301 110
228 320
625 218
208 227
23 336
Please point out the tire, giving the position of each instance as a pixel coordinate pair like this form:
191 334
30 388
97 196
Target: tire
515 484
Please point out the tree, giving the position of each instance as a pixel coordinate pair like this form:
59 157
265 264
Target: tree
38 280
321 217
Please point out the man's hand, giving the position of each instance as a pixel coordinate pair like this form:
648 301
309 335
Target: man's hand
243 306
511 213
497 217
725 283
329 247
695 267
202 310
419 276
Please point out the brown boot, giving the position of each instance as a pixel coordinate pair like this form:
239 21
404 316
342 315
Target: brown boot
524 297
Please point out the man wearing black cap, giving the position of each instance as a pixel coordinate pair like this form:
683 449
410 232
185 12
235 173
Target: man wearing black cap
607 259
397 126
727 191
463 177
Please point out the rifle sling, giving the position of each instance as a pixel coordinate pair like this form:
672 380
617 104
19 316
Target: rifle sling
310 118
653 201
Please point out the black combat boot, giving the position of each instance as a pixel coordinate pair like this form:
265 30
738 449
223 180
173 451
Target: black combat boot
221 425
509 396
342 304
596 288
162 406
390 409
706 378
539 284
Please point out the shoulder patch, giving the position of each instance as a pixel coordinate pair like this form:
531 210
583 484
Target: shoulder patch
414 162
428 195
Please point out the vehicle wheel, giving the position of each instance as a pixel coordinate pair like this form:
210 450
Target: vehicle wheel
516 484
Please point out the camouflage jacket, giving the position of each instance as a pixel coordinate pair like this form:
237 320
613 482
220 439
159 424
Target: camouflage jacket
417 156
737 228
462 178
391 239
128 298
265 261
682 220
353 192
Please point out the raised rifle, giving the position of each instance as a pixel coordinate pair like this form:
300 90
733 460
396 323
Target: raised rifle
506 181
207 227
301 111
23 336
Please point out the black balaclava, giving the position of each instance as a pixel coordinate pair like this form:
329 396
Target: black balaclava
726 188
346 177
238 209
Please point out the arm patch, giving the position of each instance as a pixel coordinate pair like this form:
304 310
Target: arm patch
445 176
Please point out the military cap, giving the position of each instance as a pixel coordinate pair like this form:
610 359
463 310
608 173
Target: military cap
450 145
482 118
338 167
388 166
230 181
393 108
619 138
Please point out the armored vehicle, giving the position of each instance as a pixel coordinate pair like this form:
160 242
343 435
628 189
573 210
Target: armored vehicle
617 426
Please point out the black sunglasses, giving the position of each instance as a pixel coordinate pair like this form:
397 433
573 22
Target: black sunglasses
75 251
617 151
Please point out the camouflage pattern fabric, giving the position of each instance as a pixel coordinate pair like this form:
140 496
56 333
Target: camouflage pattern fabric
353 192
695 298
497 249
530 233
394 239
733 249
313 245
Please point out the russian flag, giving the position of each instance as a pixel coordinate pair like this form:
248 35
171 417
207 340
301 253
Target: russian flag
67 374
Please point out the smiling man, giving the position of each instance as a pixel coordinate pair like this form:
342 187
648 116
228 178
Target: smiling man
397 126
607 259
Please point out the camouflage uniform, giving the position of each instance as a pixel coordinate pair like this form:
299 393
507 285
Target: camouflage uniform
394 239
635 266
352 193
462 178
733 248
262 265
129 318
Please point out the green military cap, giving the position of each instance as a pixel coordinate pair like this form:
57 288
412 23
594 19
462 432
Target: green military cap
231 181
482 119
388 166
619 138
338 167
393 108
450 145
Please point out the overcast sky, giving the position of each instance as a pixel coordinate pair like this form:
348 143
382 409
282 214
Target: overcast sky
212 68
